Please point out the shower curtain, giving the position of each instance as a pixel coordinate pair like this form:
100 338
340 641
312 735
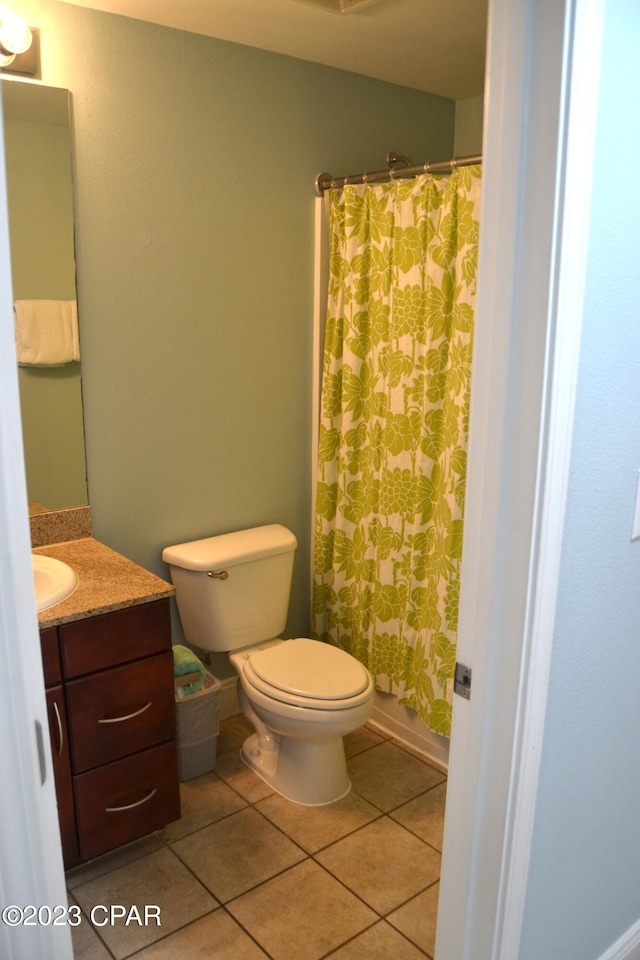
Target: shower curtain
393 431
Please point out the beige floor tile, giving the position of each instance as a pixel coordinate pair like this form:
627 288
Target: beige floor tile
87 945
236 853
244 781
388 776
417 919
424 816
415 752
289 904
302 913
214 936
233 732
382 863
114 859
203 800
362 739
380 942
158 879
317 827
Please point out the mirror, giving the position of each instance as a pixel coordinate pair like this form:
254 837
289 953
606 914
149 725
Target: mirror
40 198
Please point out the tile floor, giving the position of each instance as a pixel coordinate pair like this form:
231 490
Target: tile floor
247 875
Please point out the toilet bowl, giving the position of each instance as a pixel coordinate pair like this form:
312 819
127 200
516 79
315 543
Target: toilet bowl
301 696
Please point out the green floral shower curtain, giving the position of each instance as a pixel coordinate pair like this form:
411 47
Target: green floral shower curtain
393 431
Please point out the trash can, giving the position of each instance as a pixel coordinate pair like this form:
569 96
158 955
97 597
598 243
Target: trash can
197 728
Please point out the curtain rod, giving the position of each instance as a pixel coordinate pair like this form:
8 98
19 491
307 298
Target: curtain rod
400 168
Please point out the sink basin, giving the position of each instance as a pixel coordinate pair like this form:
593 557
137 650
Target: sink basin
53 580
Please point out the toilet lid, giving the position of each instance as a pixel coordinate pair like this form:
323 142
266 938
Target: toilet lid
309 668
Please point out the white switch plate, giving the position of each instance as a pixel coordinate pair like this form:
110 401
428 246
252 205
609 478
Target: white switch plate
635 530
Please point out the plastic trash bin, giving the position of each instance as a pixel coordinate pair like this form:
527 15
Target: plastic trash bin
197 727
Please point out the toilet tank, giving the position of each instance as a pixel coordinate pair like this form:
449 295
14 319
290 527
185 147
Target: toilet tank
248 605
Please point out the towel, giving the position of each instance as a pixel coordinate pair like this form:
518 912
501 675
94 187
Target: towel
185 661
46 332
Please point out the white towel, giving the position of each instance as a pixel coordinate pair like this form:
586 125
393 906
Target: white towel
46 332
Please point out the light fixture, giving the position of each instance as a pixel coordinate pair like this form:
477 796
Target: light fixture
342 6
15 37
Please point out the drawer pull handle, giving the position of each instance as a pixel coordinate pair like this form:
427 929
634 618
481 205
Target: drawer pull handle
129 716
60 734
130 806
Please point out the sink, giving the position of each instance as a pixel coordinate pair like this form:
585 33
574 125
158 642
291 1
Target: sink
53 580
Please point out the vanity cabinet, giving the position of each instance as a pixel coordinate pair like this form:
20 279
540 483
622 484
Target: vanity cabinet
112 724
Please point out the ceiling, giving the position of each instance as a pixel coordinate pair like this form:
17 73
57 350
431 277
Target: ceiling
433 45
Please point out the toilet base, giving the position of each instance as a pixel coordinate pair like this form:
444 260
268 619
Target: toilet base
310 773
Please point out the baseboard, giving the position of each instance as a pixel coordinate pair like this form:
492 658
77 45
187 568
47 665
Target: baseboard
405 725
228 705
627 947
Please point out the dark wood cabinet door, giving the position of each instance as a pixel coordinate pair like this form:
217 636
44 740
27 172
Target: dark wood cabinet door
59 733
51 665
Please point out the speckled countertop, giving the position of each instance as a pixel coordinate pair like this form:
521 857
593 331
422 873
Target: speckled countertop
107 581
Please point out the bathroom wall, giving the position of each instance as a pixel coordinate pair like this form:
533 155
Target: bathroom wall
468 127
195 162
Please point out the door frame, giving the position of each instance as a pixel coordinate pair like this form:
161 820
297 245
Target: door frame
30 848
538 149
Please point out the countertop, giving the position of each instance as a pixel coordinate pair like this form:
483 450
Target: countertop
107 581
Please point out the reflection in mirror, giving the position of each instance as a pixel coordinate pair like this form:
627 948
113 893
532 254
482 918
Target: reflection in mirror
39 186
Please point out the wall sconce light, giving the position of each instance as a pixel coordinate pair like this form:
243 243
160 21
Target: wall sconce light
15 37
19 45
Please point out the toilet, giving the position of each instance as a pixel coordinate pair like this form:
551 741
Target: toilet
301 696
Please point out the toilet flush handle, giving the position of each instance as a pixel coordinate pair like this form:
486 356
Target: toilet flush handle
223 575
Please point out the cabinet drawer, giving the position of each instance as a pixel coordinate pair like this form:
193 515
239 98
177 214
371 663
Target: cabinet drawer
128 799
50 656
121 711
113 638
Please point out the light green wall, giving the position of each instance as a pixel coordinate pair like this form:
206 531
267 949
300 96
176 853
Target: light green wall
195 162
468 127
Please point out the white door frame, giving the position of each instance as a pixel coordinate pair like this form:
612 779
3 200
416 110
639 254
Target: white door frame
31 870
542 87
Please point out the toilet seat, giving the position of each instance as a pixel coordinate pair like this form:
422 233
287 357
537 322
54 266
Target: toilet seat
308 673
